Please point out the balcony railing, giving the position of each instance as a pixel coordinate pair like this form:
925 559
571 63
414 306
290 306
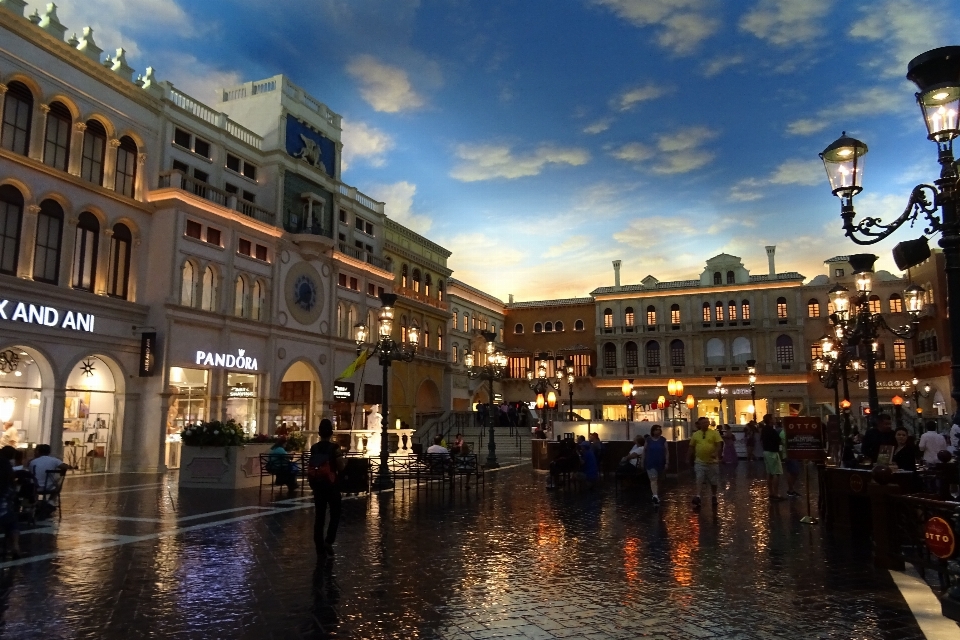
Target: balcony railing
432 354
407 292
217 119
176 179
354 194
362 255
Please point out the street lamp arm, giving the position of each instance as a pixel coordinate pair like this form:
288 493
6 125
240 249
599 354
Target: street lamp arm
906 331
874 230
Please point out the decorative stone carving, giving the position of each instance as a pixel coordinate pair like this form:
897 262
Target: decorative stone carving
322 358
120 66
87 46
281 353
151 84
80 126
51 23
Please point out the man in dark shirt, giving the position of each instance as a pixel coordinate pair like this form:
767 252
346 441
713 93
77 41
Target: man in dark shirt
326 457
880 434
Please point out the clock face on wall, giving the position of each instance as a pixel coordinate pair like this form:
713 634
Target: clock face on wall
303 291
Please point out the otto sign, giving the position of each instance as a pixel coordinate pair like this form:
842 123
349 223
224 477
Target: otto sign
940 538
227 360
46 316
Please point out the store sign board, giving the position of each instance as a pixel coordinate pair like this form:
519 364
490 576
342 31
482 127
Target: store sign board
885 384
46 316
343 391
804 435
241 391
940 538
730 391
148 360
227 360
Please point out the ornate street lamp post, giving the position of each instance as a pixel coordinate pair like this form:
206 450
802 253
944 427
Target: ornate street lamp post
570 381
389 350
917 394
937 76
540 384
493 370
675 389
832 369
691 403
627 390
898 409
720 391
752 378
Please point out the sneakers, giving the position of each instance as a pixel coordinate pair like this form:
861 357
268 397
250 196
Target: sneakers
656 501
696 502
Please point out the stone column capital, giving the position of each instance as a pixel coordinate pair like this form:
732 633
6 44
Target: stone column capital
44 108
80 126
114 143
33 209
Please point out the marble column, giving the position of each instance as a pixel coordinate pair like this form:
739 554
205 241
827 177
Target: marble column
76 149
110 165
28 241
38 132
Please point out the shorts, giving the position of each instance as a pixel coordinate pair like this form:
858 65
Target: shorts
653 474
707 472
792 466
771 460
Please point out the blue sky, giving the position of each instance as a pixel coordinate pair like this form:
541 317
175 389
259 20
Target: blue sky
540 140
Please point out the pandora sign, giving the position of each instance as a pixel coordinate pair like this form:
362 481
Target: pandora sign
238 360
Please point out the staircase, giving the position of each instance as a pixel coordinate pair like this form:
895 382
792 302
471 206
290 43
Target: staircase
512 446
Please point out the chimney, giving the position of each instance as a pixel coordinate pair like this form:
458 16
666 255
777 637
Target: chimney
770 262
616 273
511 299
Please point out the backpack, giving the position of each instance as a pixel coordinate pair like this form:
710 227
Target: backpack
770 439
320 470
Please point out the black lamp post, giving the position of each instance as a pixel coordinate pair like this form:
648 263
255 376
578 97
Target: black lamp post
937 76
720 391
491 371
542 385
855 324
832 368
917 393
752 379
389 350
570 380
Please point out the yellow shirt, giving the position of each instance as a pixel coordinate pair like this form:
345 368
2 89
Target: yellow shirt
705 445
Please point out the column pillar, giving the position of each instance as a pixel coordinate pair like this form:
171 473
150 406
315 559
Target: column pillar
68 241
56 422
110 165
76 148
140 183
28 241
103 262
38 133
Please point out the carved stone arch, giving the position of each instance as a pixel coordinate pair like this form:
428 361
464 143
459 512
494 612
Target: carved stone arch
67 102
30 83
68 209
105 121
133 135
130 224
99 213
21 187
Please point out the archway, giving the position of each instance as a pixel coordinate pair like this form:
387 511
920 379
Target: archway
91 414
428 397
26 394
299 398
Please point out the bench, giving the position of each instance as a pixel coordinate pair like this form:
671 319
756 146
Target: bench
273 465
467 465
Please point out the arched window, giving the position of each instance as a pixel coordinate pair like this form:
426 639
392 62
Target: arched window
46 257
607 318
745 310
211 289
578 325
717 277
518 328
17 115
678 356
427 283
706 312
874 304
651 316
456 354
94 151
538 328
731 279
781 308
466 322
630 357
416 280
675 314
896 303
439 338
813 308
11 215
257 299
126 177
188 284
240 297
741 350
56 146
719 311
558 326
403 276
653 354
899 354
118 274
732 310
440 290
784 349
548 327
716 354
425 336
609 356
628 318
85 251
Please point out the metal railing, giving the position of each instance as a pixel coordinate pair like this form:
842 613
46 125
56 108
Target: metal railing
408 292
354 194
176 179
217 119
911 516
362 255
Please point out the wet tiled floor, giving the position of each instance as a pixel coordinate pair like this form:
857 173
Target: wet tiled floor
136 558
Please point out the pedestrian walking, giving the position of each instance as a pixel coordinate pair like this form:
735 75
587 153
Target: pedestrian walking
705 447
932 443
655 459
729 446
770 439
326 463
750 439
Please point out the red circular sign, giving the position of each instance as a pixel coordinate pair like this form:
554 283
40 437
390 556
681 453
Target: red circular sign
940 538
856 483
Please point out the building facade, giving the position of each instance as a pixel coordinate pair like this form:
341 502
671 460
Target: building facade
473 314
931 345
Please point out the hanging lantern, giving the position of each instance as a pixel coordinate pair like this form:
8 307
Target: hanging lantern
552 399
672 387
539 401
679 392
691 403
661 403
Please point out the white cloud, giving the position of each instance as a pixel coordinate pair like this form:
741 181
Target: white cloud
632 97
633 152
364 142
786 22
805 173
747 190
866 102
683 24
385 88
490 161
599 126
571 245
398 205
721 63
649 232
677 152
905 28
195 78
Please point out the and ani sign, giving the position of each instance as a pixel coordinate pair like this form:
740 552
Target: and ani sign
46 316
238 360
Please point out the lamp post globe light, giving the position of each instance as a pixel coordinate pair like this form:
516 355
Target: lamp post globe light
675 389
570 380
833 365
492 370
917 392
388 351
543 386
752 379
937 76
720 391
855 325
628 394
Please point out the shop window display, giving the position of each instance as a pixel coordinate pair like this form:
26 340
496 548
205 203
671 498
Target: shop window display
188 405
242 400
88 416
